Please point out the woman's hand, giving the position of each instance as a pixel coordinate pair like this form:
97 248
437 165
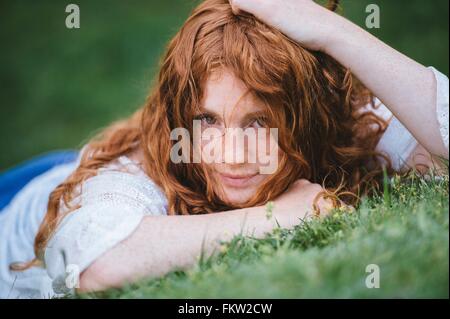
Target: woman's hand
304 21
299 202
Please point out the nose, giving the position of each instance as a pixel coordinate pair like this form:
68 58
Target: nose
234 147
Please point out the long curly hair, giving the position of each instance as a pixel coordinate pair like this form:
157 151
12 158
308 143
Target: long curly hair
317 105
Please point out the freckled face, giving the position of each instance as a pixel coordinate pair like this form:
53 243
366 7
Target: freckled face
228 105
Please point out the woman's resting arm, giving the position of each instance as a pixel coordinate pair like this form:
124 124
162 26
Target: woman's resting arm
164 243
161 244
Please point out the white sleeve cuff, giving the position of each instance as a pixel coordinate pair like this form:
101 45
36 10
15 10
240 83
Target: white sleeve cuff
442 104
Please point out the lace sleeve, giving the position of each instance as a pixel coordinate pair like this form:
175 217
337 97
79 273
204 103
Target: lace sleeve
442 104
112 206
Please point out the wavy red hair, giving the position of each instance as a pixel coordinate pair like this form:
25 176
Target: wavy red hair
316 104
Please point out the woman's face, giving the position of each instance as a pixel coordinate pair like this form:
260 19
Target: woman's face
237 147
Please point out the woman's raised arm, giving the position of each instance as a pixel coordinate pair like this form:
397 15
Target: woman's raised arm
406 87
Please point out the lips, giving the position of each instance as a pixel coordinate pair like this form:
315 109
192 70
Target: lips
237 181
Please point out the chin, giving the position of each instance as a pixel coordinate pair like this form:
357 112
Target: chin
238 197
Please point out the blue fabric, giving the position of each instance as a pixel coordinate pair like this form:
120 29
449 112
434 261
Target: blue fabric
15 178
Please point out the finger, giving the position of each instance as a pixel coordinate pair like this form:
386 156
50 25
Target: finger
236 11
234 8
242 5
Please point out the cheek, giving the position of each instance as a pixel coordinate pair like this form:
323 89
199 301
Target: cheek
209 150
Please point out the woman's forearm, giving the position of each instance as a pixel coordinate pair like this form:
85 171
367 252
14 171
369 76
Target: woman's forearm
406 87
164 243
161 244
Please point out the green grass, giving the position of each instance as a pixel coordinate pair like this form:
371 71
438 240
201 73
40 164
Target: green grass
407 237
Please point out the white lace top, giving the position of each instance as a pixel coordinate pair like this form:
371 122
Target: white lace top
112 205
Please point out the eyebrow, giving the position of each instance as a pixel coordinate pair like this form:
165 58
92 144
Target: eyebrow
254 115
203 111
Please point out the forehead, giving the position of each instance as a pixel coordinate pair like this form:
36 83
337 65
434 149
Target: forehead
225 93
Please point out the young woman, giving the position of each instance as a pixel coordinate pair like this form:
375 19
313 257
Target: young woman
124 209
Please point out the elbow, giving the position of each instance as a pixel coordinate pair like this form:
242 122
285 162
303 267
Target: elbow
99 276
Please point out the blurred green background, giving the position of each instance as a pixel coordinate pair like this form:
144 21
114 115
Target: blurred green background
59 86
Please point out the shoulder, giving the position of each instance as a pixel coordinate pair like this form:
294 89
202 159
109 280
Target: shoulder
125 181
111 205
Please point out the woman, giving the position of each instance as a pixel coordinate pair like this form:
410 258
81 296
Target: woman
125 209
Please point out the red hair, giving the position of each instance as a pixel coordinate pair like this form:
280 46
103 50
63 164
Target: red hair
316 104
